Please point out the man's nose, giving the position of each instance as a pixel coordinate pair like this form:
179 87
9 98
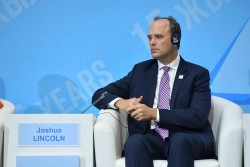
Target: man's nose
153 42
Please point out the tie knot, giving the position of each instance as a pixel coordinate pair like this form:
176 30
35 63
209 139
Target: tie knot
166 69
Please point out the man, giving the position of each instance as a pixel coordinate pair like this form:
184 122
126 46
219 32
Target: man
168 101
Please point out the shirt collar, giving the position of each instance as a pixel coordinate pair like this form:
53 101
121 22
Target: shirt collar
173 65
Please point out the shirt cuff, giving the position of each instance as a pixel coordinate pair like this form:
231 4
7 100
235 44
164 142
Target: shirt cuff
112 103
157 115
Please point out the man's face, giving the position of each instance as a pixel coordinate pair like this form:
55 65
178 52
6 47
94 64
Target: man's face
159 36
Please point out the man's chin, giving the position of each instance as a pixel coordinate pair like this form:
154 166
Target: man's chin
155 56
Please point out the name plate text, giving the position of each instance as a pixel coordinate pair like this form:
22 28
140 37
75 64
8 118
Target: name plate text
48 134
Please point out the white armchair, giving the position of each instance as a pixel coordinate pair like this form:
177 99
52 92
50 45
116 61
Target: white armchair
225 118
7 108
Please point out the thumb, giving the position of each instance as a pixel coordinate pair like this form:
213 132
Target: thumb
140 99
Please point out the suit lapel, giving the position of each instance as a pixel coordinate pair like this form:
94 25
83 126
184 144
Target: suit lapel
180 76
152 81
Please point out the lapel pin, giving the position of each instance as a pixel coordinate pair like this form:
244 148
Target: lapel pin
181 76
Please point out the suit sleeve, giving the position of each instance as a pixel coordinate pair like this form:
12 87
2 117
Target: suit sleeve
118 89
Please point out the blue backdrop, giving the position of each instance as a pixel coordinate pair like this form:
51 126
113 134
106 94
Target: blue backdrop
55 54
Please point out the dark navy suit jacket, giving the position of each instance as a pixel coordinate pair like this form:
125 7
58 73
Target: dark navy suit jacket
190 100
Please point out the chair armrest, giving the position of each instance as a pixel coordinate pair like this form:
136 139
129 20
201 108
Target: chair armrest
231 137
1 104
7 108
107 138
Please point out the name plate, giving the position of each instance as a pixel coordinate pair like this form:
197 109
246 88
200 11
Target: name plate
47 161
48 134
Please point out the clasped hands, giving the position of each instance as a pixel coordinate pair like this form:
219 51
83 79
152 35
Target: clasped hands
139 111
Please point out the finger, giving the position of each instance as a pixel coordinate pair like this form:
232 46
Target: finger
140 99
135 114
131 109
131 101
134 109
140 117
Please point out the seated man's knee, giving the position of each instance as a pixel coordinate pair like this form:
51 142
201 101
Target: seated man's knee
134 141
179 142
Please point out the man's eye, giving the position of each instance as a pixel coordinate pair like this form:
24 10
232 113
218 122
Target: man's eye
158 36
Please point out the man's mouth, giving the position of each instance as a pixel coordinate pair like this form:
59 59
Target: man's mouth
154 50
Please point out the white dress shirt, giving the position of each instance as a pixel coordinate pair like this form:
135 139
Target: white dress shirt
172 72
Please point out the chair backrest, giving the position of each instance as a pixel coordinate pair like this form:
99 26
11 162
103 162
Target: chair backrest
221 111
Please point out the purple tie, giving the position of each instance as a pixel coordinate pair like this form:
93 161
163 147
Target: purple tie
163 100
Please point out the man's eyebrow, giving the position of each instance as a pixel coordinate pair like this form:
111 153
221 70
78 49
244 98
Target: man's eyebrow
155 35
